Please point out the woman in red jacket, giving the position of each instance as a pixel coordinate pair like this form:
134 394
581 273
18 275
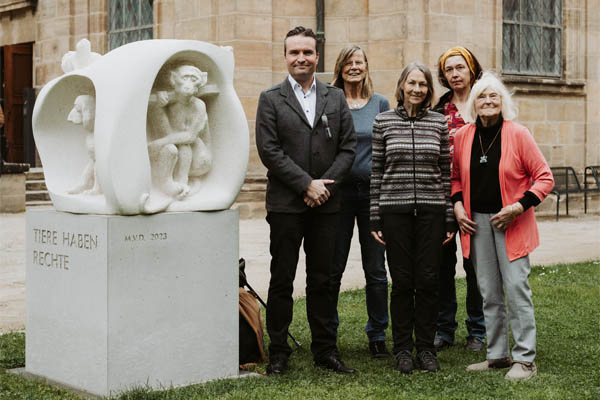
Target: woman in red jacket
498 176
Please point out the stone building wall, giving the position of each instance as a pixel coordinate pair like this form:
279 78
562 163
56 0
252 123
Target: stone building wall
17 26
563 115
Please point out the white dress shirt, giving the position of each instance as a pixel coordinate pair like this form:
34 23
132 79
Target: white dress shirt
308 101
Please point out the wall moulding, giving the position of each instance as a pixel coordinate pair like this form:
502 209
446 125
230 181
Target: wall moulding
11 5
546 86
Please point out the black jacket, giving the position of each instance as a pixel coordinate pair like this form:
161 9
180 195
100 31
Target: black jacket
296 153
446 97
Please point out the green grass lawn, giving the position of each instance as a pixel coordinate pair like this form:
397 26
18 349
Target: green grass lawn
567 309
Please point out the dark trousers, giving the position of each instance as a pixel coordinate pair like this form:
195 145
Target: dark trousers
355 207
446 321
414 250
287 233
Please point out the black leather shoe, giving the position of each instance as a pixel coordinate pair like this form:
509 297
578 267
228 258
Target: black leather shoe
378 349
404 362
334 363
277 366
427 361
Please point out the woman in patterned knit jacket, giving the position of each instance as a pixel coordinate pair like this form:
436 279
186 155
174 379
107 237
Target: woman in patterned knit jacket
411 212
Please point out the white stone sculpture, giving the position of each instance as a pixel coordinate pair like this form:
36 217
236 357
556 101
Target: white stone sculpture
133 89
178 138
83 113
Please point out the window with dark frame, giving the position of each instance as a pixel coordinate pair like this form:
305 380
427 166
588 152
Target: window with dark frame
129 21
532 37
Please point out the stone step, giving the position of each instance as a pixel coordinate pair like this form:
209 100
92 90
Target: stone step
35 185
34 174
38 203
254 187
36 192
244 197
36 195
255 179
251 199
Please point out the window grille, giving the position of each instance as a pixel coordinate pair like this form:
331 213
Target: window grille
531 37
129 21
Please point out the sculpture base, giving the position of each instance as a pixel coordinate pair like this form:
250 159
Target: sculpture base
26 375
116 302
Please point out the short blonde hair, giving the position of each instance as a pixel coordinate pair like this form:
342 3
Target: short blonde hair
489 80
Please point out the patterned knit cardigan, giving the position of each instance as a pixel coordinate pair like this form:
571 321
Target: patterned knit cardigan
411 166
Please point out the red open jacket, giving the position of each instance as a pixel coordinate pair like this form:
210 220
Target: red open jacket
522 168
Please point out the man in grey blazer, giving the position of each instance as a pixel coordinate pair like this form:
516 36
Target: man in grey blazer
305 137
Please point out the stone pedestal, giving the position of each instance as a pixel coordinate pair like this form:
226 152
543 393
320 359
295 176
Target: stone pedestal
117 302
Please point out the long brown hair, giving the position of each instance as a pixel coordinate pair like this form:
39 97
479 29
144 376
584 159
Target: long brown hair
343 57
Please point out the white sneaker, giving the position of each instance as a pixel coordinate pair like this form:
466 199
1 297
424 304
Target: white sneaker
489 365
521 371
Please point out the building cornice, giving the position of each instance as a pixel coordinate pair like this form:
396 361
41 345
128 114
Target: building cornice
11 5
548 86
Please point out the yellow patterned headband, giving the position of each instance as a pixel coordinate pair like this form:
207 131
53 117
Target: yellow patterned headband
459 51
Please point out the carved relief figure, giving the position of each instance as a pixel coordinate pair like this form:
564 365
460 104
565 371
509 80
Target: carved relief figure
83 113
81 58
178 133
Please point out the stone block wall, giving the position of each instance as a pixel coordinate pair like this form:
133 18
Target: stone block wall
558 125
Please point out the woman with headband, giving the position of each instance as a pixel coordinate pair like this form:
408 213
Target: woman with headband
458 69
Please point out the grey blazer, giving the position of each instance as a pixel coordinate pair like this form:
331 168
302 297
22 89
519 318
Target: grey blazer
294 153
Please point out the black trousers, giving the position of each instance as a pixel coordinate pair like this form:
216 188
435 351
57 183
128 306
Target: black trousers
287 232
414 250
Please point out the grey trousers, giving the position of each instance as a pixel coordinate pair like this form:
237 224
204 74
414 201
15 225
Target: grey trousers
498 277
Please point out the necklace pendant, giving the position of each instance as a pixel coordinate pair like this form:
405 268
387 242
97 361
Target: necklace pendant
483 160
